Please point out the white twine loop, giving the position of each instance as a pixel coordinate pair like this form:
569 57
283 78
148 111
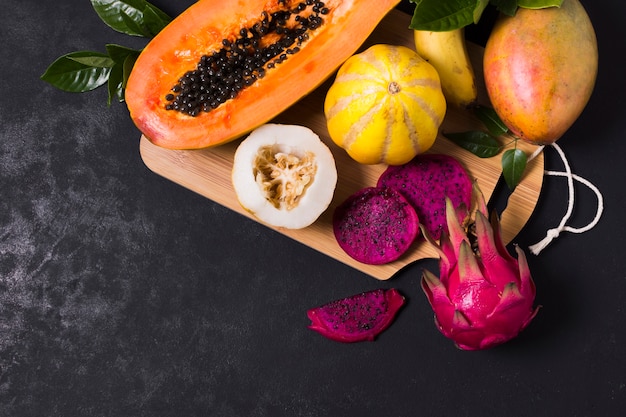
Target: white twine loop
554 233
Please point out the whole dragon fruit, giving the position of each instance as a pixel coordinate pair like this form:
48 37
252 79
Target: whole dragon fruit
484 296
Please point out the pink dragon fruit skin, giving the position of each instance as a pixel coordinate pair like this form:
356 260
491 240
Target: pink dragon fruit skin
481 299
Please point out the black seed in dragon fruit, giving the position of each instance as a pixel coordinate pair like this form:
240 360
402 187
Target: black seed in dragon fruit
375 225
425 182
357 318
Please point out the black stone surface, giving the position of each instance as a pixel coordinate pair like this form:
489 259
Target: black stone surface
123 294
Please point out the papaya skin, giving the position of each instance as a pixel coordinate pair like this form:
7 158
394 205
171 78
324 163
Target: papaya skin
200 30
540 68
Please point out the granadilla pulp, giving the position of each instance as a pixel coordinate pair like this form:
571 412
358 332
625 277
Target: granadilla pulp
483 296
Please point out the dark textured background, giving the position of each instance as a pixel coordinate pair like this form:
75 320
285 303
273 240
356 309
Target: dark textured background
123 294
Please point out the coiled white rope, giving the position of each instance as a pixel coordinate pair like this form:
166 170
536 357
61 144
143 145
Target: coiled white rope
562 227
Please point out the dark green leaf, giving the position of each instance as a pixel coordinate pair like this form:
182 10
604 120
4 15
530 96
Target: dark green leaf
119 53
480 8
134 27
124 59
93 61
491 120
508 7
116 79
437 15
112 13
539 4
129 63
513 166
154 19
161 15
127 16
84 70
479 143
68 73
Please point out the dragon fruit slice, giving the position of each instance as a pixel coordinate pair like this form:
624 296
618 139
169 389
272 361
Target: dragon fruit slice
375 225
425 181
483 297
357 318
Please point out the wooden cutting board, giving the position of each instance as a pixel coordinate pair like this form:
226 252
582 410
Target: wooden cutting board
208 172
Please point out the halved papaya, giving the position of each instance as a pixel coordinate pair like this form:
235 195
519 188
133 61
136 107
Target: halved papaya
222 68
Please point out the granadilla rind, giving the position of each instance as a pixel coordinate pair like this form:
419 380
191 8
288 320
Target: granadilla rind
483 296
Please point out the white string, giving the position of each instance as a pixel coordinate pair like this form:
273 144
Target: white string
537 152
554 233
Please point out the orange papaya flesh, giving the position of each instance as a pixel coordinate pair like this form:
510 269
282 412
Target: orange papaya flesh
169 117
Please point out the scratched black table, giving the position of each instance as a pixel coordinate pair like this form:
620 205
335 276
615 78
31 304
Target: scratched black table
123 294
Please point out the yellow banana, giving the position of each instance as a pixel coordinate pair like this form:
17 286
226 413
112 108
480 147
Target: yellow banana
447 52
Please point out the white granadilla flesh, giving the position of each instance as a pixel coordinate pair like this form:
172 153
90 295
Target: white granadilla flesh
284 175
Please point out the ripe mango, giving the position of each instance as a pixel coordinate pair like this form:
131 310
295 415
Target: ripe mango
540 68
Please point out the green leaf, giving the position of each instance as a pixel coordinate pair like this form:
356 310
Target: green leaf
154 19
119 53
539 4
439 16
68 73
160 14
129 63
513 166
127 16
124 56
134 27
115 83
84 71
508 7
491 120
124 59
480 8
479 143
93 61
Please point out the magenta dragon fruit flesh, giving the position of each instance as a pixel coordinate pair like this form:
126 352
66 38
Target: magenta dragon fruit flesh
375 225
357 318
483 296
425 182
